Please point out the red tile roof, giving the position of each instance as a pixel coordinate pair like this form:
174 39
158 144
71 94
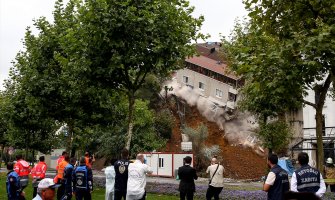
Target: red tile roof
212 65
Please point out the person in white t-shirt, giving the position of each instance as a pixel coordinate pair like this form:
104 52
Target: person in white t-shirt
110 181
215 187
137 179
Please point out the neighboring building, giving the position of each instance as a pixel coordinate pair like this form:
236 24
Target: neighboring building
308 143
51 159
165 164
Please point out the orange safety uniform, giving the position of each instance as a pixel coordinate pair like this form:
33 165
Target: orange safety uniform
59 160
87 162
22 168
38 172
60 171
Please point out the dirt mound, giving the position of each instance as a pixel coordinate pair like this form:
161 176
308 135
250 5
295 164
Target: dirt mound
239 162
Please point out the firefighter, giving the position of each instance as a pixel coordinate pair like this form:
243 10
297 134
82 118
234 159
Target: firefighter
38 173
83 181
22 168
13 185
59 177
68 171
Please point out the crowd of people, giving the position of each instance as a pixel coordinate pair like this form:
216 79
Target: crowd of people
127 180
72 178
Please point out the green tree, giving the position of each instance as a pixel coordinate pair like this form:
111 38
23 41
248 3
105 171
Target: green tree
275 135
305 30
197 137
121 42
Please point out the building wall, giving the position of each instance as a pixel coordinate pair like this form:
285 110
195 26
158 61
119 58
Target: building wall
210 85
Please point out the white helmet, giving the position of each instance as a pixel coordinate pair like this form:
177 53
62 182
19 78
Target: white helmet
329 161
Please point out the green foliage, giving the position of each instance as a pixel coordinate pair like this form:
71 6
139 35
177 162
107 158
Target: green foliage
275 135
146 138
197 137
164 122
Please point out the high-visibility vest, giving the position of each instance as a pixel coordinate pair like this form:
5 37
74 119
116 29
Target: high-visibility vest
39 170
22 168
87 162
61 167
59 160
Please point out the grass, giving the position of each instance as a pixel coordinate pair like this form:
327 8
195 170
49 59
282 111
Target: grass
98 193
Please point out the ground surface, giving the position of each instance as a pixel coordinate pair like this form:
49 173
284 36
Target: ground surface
239 162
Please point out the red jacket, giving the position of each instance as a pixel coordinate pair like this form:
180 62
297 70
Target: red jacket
22 168
39 170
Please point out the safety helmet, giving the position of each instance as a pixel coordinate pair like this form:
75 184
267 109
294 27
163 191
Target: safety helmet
329 161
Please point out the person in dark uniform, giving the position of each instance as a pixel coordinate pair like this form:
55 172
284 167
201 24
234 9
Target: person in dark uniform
82 181
276 183
67 178
13 185
307 178
121 175
187 175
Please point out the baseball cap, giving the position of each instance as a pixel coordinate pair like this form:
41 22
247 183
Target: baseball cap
47 183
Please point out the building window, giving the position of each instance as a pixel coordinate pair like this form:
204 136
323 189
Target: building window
185 79
219 93
161 163
201 86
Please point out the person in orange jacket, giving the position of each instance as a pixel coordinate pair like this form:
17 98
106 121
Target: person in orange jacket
22 168
59 176
38 173
89 160
61 158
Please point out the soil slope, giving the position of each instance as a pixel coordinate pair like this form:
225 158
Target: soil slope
239 162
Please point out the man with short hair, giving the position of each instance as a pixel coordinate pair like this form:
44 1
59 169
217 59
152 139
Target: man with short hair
137 172
215 187
13 185
22 168
187 175
82 181
121 175
60 159
38 173
67 179
46 189
276 183
307 178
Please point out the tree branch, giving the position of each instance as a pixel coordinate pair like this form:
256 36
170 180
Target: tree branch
309 103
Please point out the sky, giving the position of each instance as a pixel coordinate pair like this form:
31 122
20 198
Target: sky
16 15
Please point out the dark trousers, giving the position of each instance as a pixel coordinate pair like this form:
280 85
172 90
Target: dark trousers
187 194
332 187
213 192
83 194
119 194
60 190
34 192
67 196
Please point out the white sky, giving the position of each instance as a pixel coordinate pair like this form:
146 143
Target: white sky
16 15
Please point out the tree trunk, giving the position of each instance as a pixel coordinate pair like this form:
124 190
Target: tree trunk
131 100
1 155
69 138
318 118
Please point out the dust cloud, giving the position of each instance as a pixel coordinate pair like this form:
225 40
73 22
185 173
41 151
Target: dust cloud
239 128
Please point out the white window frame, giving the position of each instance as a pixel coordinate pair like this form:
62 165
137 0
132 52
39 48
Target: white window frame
218 93
185 79
203 86
161 162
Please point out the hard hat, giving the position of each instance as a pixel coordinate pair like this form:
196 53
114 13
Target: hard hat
329 161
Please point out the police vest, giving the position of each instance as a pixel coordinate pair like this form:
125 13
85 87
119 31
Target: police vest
308 179
13 185
81 177
281 184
